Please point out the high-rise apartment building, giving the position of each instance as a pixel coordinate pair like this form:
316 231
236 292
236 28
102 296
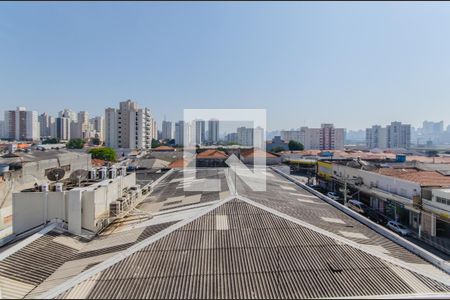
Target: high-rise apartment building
166 130
245 136
258 137
331 138
291 135
398 135
179 133
46 125
21 125
128 127
154 130
97 125
327 137
376 137
213 131
395 135
199 132
68 113
63 128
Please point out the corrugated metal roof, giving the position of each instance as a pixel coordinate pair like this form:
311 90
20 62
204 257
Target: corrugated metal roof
260 255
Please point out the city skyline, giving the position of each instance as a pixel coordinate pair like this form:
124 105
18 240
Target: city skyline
319 61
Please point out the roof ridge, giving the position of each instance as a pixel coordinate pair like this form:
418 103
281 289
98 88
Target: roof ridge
59 289
346 241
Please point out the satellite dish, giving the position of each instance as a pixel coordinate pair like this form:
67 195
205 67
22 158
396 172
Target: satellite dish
56 174
78 175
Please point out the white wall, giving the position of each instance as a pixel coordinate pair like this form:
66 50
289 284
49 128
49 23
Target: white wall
30 209
390 184
80 207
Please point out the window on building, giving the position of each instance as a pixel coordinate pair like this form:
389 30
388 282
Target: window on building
443 200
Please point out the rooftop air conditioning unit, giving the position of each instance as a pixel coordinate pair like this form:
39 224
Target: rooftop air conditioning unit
102 173
92 175
123 171
44 187
112 173
58 187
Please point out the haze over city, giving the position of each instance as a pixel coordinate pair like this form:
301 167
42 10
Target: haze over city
351 64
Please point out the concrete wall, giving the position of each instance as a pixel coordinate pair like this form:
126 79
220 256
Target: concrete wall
30 209
80 207
34 172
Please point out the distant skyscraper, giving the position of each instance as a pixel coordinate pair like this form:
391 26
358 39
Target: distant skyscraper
398 135
154 130
46 124
199 132
327 137
395 135
258 136
2 129
128 127
22 125
166 130
245 136
231 137
179 133
67 113
63 128
291 135
97 125
376 137
213 131
331 138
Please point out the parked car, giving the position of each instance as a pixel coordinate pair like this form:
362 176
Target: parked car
334 195
399 228
318 188
357 206
377 217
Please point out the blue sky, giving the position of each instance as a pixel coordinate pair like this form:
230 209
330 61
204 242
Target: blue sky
353 64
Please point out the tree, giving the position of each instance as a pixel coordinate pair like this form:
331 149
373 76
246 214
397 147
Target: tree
75 144
104 153
293 145
155 143
51 141
277 149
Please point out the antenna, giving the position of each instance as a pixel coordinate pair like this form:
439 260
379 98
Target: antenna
55 174
77 176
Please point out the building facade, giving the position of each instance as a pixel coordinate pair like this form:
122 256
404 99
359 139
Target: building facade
376 137
327 137
22 125
200 138
166 130
179 133
395 135
63 128
245 136
213 131
128 127
398 135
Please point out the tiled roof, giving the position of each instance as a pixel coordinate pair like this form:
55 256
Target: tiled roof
163 148
424 178
256 153
98 162
178 164
212 153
